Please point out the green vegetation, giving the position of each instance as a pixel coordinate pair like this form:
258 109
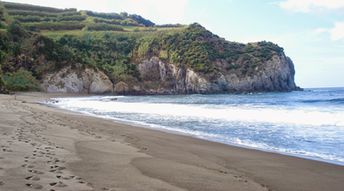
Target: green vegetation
111 53
14 12
64 25
104 27
38 40
31 18
199 49
2 16
21 80
123 19
104 15
27 7
37 18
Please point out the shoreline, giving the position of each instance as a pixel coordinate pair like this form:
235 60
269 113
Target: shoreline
109 155
180 132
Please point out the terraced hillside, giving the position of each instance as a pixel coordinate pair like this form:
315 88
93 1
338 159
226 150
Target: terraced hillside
43 45
37 18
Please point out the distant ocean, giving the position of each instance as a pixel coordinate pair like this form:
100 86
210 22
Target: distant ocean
308 124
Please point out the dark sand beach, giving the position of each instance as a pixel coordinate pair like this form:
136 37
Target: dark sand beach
44 148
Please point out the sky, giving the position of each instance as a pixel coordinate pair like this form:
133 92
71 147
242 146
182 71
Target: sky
310 31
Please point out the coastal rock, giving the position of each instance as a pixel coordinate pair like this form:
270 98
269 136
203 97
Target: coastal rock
158 77
77 80
121 88
276 75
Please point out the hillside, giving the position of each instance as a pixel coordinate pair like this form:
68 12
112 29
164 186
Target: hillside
66 50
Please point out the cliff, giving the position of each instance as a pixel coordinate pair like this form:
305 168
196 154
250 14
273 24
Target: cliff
77 80
159 77
138 57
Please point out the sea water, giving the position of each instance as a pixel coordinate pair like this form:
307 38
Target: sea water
307 124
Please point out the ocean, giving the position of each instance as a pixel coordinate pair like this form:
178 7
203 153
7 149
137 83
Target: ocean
308 124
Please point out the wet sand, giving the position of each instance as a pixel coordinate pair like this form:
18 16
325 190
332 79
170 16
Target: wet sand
44 148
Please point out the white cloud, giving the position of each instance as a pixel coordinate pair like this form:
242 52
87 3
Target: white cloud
311 5
159 11
336 33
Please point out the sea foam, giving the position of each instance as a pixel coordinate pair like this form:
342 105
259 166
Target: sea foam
308 124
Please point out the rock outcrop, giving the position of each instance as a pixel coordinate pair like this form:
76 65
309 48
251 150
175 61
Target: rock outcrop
77 80
276 74
183 59
159 77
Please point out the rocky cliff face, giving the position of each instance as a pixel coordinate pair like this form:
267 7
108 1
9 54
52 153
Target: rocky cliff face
174 60
276 74
159 77
77 80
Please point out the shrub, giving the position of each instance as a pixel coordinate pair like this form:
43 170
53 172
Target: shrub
21 80
104 15
130 22
71 18
4 46
2 12
14 12
107 21
63 25
141 20
169 26
34 18
30 18
104 27
17 32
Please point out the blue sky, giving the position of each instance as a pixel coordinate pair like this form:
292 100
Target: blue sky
311 31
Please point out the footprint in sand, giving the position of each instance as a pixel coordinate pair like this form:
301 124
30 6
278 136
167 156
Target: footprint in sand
35 171
223 172
67 177
61 168
30 166
7 150
34 186
58 184
34 178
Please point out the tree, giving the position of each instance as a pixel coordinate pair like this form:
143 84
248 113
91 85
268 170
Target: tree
22 80
17 32
2 12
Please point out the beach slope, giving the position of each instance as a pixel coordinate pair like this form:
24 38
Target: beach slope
44 148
